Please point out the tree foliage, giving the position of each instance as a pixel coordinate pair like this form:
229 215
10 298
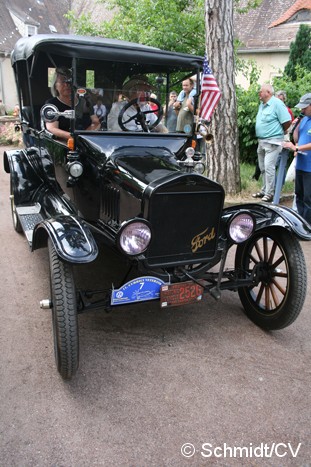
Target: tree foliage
300 52
176 25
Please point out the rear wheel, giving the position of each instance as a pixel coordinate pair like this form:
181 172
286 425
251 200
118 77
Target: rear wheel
64 315
277 260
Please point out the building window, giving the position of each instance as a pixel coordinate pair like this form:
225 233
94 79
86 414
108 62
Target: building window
31 30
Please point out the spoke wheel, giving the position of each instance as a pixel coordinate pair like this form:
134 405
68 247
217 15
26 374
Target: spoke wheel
64 315
276 258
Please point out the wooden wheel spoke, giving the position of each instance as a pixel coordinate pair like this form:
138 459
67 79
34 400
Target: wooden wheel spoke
265 249
279 286
274 295
272 252
258 251
280 274
278 262
259 295
253 259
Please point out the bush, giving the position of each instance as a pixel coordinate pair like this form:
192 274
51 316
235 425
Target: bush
247 110
8 135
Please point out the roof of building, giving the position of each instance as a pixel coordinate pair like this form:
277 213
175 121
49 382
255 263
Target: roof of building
292 12
46 15
272 26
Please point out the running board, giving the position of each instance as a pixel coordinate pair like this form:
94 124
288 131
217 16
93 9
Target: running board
29 217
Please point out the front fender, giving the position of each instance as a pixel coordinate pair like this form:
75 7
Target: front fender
72 238
25 175
274 216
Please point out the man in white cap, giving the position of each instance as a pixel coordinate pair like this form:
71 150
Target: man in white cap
302 150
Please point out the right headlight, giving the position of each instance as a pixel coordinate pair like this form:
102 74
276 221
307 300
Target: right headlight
134 237
241 227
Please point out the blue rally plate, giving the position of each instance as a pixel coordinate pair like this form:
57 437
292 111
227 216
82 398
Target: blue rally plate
140 289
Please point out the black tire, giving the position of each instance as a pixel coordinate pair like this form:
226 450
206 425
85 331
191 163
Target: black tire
64 315
16 223
276 258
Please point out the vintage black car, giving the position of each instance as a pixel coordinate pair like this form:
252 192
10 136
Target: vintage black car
141 190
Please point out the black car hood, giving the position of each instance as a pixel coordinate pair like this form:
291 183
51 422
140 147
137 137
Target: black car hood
145 164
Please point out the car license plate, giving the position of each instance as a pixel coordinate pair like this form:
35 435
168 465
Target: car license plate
180 293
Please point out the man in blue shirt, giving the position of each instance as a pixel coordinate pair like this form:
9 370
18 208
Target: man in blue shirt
272 121
302 150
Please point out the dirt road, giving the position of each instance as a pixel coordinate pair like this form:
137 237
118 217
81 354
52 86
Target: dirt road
150 381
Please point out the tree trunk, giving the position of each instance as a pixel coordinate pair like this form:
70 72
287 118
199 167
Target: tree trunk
223 152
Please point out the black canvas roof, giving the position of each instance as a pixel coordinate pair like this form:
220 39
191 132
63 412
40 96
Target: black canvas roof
98 49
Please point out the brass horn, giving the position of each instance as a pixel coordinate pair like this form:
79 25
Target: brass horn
204 132
209 138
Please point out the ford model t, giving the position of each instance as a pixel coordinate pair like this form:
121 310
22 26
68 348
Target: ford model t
134 180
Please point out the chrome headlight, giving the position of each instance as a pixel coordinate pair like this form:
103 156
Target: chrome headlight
134 237
241 227
75 169
199 167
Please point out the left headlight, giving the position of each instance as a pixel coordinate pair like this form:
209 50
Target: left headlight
134 237
241 227
75 169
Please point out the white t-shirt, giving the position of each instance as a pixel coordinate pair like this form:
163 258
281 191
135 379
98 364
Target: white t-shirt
113 124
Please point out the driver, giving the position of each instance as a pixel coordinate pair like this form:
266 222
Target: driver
138 88
61 92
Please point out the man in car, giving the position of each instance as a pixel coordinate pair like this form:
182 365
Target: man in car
139 116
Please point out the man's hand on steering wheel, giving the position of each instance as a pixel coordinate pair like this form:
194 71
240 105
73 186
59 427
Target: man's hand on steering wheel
140 115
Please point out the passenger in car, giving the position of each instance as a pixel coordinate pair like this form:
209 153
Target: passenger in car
139 88
61 92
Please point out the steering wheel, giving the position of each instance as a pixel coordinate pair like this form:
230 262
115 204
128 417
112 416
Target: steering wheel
140 116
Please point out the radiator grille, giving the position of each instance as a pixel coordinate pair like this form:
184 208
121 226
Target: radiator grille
185 223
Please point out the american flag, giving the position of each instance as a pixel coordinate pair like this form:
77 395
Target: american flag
210 92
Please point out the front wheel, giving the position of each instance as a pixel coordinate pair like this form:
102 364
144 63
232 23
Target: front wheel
64 315
276 259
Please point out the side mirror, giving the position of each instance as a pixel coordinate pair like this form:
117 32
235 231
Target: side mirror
50 113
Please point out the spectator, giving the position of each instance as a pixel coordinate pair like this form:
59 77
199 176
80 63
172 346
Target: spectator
16 110
182 94
302 151
272 122
169 112
281 162
282 95
2 109
100 111
185 108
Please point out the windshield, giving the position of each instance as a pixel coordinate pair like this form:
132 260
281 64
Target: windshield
132 97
